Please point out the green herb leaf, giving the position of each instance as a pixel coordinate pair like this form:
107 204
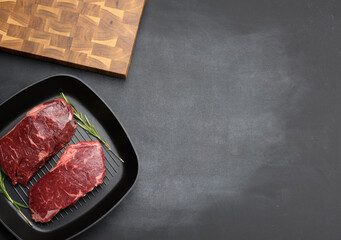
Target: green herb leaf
84 123
15 203
20 205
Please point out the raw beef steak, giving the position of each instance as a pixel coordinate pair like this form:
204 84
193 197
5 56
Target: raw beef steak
80 169
44 130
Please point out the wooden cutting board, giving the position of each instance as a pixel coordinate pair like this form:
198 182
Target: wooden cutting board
96 35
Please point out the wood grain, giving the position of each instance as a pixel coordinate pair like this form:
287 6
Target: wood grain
96 35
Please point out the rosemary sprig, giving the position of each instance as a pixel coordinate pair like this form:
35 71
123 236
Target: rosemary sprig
15 203
84 122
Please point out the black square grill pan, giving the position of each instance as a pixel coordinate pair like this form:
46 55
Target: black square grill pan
120 177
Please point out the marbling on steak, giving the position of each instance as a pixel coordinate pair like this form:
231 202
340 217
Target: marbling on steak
44 130
80 168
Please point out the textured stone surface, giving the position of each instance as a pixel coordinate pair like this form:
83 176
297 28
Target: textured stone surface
233 107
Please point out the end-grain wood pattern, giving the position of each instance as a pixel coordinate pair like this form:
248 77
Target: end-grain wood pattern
97 35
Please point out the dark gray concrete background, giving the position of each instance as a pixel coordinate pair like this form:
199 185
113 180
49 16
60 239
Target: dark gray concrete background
233 107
